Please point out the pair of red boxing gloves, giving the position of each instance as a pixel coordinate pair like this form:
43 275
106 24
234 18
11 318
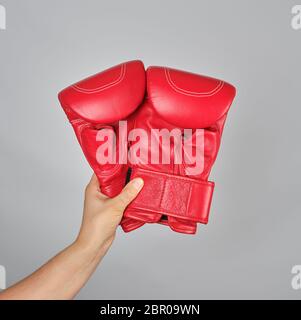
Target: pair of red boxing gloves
160 124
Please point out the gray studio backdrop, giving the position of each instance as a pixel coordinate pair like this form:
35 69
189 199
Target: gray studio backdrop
253 238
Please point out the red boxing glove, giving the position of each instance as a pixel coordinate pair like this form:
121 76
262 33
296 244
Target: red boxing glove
177 192
100 102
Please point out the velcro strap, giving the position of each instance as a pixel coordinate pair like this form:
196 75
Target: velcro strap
173 195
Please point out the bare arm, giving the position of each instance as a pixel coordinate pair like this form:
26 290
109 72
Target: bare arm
64 275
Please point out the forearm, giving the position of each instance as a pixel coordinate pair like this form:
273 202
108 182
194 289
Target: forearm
63 276
60 278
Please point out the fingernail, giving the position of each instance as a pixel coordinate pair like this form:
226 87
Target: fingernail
138 183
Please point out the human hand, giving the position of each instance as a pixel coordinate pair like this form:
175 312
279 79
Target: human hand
102 214
64 275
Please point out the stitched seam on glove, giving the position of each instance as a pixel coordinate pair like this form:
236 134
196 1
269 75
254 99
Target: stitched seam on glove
104 87
191 93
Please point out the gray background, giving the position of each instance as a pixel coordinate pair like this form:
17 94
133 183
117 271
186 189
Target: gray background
253 238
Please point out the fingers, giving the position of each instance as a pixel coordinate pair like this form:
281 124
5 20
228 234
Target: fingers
128 194
94 181
93 187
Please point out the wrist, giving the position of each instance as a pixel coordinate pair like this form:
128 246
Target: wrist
95 248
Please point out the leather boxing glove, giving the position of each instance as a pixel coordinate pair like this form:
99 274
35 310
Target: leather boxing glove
192 107
94 107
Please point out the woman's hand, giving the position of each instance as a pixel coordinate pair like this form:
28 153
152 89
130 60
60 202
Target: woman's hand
64 275
102 215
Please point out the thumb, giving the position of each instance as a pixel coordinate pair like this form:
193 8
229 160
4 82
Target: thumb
128 194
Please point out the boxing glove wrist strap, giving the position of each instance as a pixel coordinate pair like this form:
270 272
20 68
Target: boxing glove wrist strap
173 195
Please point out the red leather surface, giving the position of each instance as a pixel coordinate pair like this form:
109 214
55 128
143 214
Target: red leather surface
172 195
182 100
108 96
97 103
161 98
188 100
